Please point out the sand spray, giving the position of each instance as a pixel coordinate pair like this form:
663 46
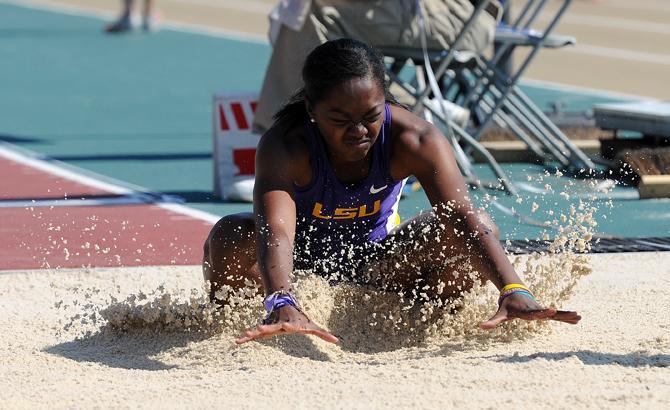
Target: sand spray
363 317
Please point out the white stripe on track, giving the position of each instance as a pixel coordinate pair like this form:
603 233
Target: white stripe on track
91 201
40 162
113 270
582 90
617 23
659 6
97 181
619 53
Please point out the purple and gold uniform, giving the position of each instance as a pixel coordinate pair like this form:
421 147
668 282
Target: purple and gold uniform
335 222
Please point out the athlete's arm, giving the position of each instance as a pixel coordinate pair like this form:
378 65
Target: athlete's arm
429 157
274 211
426 153
280 162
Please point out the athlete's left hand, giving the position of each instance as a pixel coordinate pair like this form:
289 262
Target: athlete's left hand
521 307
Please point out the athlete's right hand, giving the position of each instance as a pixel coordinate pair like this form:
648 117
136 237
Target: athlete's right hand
288 320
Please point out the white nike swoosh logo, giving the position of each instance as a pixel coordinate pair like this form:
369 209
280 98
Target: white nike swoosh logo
374 190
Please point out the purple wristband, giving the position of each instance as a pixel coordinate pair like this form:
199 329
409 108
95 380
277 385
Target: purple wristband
278 300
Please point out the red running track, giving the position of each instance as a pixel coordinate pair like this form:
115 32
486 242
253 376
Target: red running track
62 236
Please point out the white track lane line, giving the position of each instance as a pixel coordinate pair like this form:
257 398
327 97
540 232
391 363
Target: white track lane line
68 202
616 23
581 90
658 6
97 181
619 54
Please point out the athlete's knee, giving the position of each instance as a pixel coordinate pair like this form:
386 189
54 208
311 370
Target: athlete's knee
229 242
231 229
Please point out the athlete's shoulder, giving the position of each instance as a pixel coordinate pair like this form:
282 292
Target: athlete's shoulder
416 144
285 139
284 146
410 131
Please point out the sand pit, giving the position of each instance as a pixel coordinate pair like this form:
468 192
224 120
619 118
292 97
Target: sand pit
617 357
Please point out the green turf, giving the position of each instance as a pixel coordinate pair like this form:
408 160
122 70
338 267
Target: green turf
137 108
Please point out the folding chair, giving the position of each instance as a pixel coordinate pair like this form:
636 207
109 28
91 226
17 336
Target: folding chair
445 60
493 94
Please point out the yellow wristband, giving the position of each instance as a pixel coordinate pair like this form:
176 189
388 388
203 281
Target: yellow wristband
514 286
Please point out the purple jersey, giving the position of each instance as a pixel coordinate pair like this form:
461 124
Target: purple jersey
331 216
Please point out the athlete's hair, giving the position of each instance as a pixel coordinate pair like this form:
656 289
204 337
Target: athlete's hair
330 65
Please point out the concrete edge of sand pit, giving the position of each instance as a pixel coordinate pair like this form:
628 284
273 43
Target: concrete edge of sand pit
517 150
654 186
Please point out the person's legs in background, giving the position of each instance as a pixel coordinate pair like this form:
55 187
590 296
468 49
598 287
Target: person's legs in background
125 21
149 17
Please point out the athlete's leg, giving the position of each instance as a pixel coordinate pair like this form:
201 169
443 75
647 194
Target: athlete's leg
230 254
419 257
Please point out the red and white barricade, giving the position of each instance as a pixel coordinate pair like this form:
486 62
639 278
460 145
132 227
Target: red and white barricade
234 146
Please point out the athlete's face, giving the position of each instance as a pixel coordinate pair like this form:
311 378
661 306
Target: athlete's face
350 118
